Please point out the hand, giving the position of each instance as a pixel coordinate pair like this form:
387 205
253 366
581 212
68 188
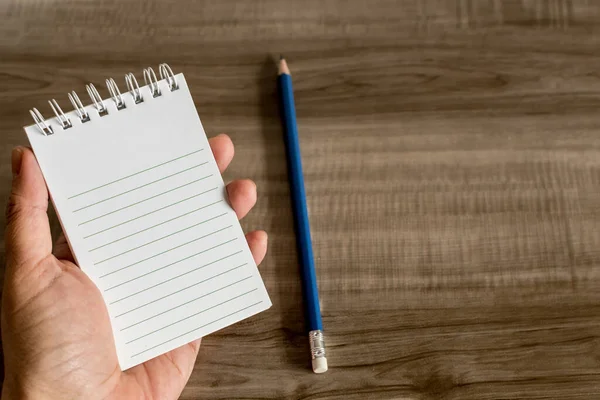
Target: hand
56 332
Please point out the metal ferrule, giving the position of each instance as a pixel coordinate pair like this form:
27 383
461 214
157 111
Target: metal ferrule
317 344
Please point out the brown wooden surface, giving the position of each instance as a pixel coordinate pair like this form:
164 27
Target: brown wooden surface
452 164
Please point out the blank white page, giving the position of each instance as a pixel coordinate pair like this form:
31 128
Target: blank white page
144 208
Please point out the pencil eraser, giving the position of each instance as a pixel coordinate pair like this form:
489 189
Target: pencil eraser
319 365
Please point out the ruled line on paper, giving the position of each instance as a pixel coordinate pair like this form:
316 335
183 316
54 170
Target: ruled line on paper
171 279
188 302
163 252
149 198
168 265
158 209
169 235
182 289
140 187
137 173
191 316
195 329
161 223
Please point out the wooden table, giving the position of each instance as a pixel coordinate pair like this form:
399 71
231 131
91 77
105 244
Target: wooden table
452 161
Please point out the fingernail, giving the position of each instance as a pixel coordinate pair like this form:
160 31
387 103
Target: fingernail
17 157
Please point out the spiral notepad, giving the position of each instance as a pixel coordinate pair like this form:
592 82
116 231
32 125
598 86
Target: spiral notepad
144 209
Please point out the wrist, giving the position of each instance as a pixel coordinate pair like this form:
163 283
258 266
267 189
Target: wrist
11 390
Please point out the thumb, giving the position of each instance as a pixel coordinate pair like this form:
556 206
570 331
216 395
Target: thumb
28 238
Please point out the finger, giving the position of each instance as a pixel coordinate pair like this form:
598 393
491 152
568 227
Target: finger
222 148
28 238
167 374
185 357
242 196
257 241
61 249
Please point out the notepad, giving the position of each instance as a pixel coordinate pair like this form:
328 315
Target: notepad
144 209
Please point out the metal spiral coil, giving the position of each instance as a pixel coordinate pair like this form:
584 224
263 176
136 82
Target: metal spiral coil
40 122
152 82
84 116
60 115
133 89
115 93
97 99
167 73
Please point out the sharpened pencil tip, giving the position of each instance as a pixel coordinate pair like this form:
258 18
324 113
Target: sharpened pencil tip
281 57
283 68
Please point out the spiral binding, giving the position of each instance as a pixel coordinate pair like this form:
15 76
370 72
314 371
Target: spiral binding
115 93
152 82
133 89
84 116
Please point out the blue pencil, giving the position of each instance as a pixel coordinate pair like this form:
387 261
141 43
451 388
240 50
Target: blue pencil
305 252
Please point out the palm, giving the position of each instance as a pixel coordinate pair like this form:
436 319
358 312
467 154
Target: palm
87 354
56 331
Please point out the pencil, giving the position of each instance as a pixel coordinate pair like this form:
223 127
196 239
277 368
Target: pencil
305 252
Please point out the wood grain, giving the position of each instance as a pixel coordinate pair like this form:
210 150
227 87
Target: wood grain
452 163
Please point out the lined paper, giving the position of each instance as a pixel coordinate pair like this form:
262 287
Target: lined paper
144 209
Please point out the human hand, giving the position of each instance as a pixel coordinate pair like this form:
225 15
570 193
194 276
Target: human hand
56 333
